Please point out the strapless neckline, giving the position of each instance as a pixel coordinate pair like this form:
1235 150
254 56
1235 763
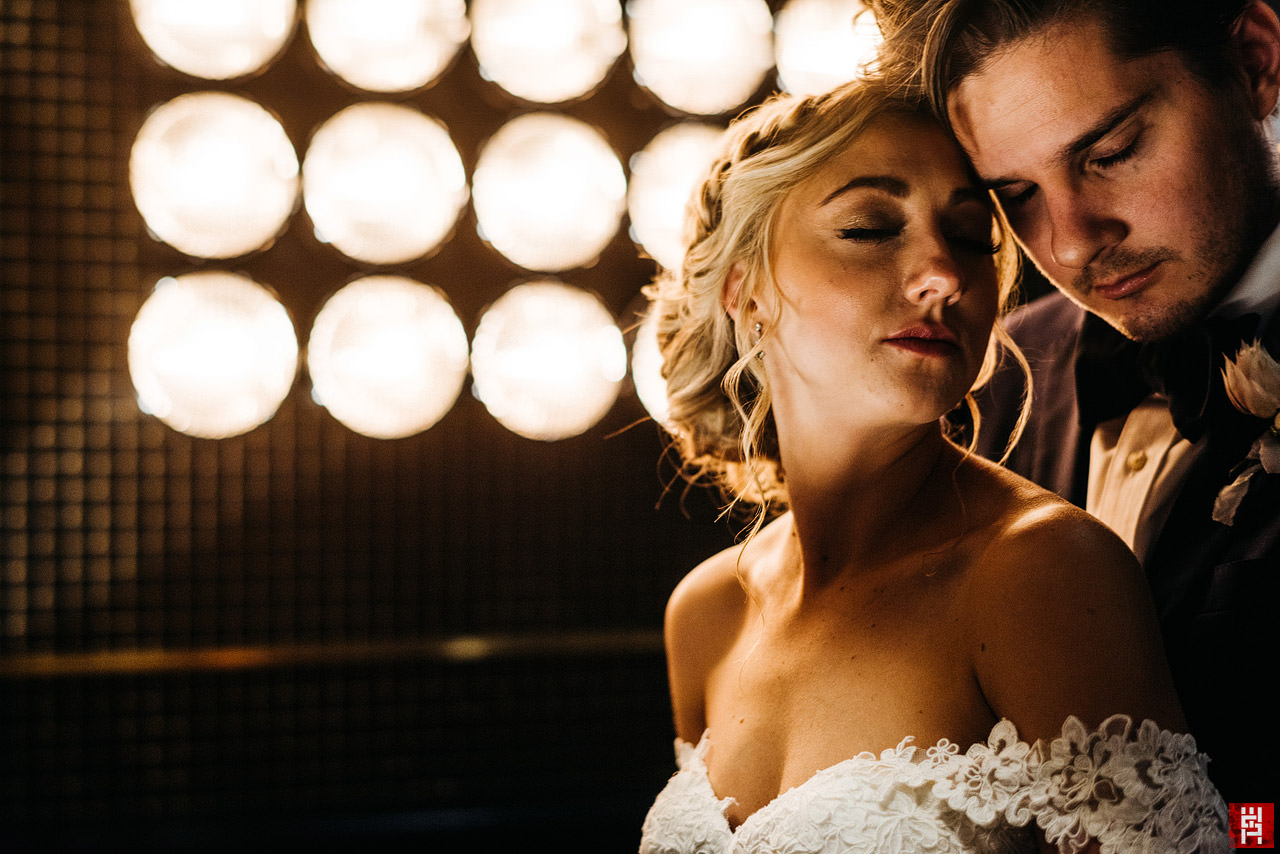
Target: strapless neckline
1130 787
905 752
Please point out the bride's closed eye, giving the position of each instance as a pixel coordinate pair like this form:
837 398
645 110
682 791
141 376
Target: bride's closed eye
866 234
983 245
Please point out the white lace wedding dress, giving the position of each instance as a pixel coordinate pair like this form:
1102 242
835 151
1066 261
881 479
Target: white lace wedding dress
1131 788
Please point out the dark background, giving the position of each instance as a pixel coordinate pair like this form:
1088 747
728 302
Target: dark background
302 634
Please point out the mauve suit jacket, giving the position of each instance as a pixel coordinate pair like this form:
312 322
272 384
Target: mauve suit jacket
1214 586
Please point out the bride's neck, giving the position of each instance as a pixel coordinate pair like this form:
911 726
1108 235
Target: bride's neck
849 507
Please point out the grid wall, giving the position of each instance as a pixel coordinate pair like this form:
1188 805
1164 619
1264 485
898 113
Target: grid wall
250 630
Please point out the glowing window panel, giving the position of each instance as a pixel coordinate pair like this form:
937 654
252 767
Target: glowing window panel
387 356
547 360
549 192
646 371
387 45
215 39
548 51
212 354
383 183
213 175
701 56
664 175
823 43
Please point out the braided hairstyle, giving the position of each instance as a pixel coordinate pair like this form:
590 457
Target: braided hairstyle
718 390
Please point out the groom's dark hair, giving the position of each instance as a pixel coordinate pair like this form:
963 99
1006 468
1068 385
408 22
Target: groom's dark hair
932 45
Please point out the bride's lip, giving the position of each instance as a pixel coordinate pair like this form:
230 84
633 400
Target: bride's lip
929 339
1127 285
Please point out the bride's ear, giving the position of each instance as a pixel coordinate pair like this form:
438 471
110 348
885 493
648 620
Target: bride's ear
731 291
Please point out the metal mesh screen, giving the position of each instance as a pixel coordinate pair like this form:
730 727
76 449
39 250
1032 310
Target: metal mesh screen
261 632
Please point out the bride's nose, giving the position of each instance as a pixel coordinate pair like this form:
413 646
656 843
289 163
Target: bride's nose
936 279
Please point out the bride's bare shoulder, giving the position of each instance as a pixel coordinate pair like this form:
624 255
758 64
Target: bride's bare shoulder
1028 527
1060 616
713 594
704 617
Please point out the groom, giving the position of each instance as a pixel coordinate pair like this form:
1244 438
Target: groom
1125 143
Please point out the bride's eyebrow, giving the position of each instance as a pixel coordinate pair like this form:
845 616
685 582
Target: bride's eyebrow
888 183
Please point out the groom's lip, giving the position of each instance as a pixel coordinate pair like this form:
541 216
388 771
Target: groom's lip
1128 285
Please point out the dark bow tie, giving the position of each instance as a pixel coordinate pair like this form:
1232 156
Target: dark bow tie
1114 374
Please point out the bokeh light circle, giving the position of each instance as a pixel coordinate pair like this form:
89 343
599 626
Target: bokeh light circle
646 371
383 183
387 45
664 175
701 56
548 360
215 39
549 192
387 356
548 51
212 354
213 174
822 43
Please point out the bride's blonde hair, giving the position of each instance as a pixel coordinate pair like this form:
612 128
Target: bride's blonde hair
720 413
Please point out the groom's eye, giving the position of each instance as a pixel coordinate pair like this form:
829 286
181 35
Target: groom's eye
1117 148
1015 194
1105 161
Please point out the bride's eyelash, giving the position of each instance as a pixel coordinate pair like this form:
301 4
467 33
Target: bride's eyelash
867 235
879 235
980 246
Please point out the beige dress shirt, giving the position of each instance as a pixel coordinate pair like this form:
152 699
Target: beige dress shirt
1138 461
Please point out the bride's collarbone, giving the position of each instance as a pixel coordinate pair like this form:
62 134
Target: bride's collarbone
891 610
790 700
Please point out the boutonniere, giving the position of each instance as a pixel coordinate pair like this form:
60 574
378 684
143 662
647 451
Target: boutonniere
1252 382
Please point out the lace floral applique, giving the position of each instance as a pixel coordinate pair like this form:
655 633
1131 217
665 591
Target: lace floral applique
990 780
1146 791
1133 789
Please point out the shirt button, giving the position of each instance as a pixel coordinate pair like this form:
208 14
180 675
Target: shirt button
1136 461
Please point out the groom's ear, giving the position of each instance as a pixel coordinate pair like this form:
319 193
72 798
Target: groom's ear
1257 38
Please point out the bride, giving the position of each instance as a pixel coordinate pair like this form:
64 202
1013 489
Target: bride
914 649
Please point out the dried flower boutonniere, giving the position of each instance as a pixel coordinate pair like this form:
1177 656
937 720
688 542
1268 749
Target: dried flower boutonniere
1253 384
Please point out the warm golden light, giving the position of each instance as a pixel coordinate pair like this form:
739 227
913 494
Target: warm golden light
212 354
383 183
215 39
663 177
547 360
387 356
387 45
548 51
549 192
646 371
213 175
823 43
701 56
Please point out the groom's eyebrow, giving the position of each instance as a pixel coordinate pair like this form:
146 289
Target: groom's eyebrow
1090 137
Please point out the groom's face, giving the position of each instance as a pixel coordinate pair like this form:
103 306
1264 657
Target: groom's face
1133 185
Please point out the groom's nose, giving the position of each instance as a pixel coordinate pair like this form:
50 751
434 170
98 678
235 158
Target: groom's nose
1080 227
